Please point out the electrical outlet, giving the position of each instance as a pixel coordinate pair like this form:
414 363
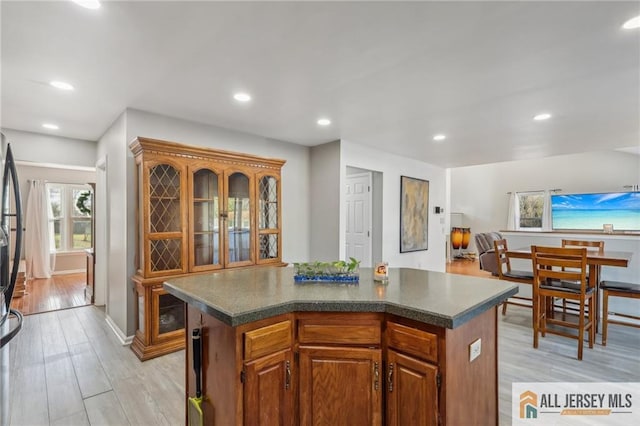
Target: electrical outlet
475 349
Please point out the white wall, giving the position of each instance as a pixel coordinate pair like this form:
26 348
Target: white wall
392 167
41 148
480 192
326 192
115 264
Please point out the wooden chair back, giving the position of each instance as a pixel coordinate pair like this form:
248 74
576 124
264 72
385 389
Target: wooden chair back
504 263
561 272
590 245
563 264
506 273
502 259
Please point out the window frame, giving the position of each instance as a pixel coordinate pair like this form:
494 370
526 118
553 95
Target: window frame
542 196
68 215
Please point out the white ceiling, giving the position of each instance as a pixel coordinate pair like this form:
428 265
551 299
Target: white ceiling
388 74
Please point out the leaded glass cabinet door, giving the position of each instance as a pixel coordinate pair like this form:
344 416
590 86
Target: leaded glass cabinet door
268 196
165 247
205 187
239 219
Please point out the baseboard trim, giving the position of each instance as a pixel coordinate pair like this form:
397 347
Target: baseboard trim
69 271
124 339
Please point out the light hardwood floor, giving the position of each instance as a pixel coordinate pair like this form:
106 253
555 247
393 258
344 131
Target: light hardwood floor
50 294
467 267
69 369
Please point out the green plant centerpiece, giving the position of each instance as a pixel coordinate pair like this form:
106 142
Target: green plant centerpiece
337 271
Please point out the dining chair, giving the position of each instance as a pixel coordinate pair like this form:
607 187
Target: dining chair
505 272
590 245
617 289
561 272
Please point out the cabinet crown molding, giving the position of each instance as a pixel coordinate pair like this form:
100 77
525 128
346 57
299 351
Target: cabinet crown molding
157 146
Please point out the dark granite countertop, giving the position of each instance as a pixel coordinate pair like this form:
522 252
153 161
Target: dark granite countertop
236 297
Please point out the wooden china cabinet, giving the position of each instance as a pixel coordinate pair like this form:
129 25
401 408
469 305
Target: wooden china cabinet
198 210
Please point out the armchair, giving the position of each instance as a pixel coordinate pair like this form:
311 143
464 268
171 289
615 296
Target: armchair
486 252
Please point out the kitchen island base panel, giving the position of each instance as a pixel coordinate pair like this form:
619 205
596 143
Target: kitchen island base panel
467 391
465 379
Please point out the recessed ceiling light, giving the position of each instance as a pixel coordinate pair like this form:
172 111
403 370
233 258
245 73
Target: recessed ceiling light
50 126
88 4
439 137
324 122
543 116
632 23
61 85
242 97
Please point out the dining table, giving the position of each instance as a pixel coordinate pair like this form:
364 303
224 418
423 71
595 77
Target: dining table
596 259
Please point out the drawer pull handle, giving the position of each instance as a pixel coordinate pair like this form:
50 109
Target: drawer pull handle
287 381
376 376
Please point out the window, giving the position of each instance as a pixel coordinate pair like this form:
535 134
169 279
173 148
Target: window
530 209
71 216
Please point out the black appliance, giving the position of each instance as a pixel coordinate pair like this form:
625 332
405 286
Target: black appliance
10 232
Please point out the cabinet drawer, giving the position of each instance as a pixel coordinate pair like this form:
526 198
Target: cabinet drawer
266 340
356 332
413 341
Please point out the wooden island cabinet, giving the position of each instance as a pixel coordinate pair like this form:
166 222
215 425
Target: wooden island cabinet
277 352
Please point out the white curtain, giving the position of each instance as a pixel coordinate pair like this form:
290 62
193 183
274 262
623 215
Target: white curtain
546 212
39 242
513 217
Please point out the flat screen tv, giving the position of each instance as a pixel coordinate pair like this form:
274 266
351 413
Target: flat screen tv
592 211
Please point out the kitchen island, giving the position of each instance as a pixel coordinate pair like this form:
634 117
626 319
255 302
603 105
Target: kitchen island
421 349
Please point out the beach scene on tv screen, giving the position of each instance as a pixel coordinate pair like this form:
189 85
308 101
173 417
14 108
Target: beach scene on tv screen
592 211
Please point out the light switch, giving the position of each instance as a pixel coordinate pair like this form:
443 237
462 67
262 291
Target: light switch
475 349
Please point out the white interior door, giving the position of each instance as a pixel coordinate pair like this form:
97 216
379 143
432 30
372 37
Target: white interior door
358 208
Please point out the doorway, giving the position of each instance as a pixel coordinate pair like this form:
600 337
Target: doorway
358 227
70 216
363 209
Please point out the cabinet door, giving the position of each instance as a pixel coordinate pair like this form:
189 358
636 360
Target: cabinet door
269 390
412 393
340 386
239 219
269 244
164 218
168 315
205 238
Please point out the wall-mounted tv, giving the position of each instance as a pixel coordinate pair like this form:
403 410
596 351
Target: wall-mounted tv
591 211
